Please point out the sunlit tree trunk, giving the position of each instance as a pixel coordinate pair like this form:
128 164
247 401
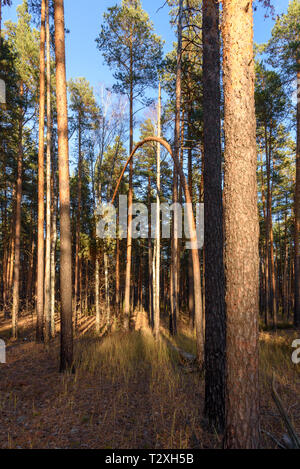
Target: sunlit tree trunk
106 280
66 352
97 293
118 269
47 304
241 227
40 242
130 200
157 240
31 263
175 248
150 257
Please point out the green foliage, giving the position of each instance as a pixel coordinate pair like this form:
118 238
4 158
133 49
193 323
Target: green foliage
284 45
129 46
24 41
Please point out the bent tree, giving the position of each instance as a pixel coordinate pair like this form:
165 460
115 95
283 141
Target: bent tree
129 44
241 227
191 225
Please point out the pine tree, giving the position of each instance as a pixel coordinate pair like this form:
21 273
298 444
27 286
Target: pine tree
241 227
128 43
66 351
215 322
284 52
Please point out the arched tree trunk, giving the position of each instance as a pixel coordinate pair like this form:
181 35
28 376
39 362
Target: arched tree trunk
193 234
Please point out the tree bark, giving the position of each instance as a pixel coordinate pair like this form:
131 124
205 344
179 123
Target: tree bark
16 282
66 351
241 227
40 241
297 209
47 305
130 200
157 240
215 317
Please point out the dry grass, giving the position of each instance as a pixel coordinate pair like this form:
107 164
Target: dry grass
129 391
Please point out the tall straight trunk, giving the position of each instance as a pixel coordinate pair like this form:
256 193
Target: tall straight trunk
130 200
11 257
150 257
157 240
66 352
297 210
118 269
40 235
191 303
106 280
241 228
270 238
53 246
31 263
16 282
47 304
215 317
97 293
4 240
272 272
78 225
285 282
175 247
266 255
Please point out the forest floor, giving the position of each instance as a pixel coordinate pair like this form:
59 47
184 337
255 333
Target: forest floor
127 392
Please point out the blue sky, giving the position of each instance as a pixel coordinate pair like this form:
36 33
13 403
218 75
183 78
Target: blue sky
83 19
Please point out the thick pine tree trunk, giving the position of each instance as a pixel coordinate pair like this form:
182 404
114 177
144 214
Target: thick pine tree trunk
241 227
40 242
215 318
66 352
